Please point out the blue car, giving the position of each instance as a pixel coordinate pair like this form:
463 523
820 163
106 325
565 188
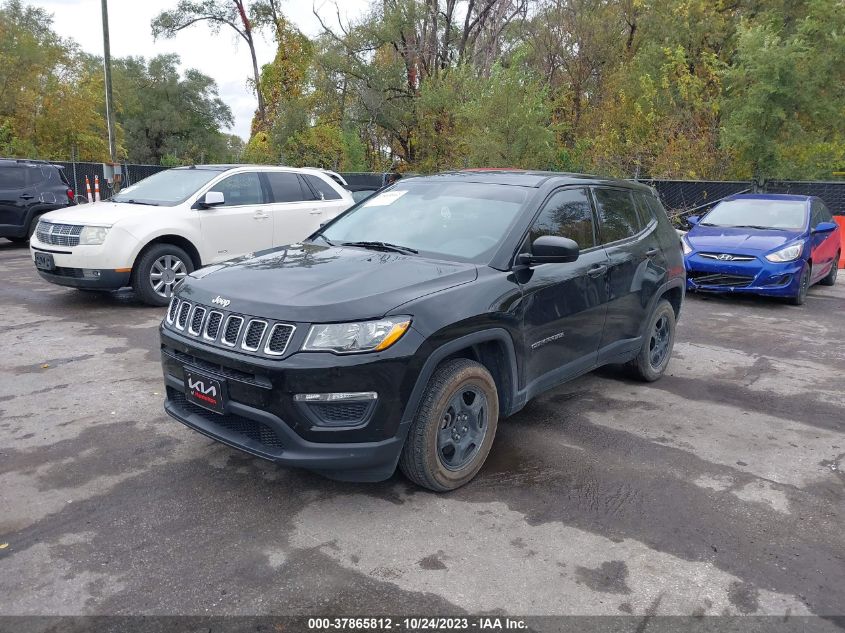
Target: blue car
775 245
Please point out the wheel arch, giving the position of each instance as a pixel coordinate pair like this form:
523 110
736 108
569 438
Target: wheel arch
493 348
176 240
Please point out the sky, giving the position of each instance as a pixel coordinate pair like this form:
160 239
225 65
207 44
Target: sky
224 57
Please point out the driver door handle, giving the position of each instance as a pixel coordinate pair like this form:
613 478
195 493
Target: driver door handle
597 271
260 215
316 211
27 196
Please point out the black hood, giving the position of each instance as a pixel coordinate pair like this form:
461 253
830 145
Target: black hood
314 283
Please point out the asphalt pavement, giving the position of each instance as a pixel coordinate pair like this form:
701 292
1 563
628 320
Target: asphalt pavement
719 489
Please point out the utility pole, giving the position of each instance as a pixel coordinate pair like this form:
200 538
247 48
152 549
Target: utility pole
107 68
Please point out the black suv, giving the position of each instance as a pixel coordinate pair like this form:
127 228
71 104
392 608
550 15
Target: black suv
405 328
29 188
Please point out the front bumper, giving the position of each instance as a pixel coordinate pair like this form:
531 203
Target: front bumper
104 267
263 419
756 276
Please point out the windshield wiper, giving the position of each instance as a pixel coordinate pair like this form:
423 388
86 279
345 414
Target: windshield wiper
324 238
383 246
133 201
757 226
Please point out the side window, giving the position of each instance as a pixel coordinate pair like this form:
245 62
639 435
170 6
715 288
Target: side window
568 213
241 189
826 215
286 187
12 177
323 189
644 210
617 214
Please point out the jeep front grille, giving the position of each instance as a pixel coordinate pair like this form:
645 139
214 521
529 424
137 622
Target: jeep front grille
212 327
230 330
196 320
254 333
58 234
277 342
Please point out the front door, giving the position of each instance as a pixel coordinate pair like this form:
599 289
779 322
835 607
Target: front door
825 246
564 304
242 224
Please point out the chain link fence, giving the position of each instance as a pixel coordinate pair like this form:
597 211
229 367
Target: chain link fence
680 197
76 173
683 198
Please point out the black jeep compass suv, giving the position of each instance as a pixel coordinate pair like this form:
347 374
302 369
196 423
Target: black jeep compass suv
404 329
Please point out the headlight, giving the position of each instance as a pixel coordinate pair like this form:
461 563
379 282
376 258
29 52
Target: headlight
367 336
93 235
786 254
685 245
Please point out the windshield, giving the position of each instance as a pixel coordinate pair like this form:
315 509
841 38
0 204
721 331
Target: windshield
462 221
762 214
167 188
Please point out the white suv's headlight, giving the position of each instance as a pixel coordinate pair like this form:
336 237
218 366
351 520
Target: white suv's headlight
786 254
366 336
93 235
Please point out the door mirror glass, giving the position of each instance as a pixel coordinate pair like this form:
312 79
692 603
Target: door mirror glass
693 220
212 199
825 227
551 249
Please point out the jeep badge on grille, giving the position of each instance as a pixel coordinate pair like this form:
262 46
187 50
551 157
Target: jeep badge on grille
223 303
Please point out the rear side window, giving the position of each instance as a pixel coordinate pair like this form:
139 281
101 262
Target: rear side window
646 212
286 187
568 213
241 189
617 214
324 190
12 177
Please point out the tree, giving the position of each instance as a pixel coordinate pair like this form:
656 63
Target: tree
233 14
167 116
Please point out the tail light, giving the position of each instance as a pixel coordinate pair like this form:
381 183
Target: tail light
70 195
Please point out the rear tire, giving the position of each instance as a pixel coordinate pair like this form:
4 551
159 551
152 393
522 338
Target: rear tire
830 278
454 428
653 358
803 286
156 272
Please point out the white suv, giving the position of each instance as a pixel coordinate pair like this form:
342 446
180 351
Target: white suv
152 234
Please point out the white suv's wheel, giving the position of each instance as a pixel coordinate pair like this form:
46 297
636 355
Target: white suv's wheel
159 268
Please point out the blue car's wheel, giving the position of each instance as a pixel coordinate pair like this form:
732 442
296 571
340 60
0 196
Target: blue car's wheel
803 286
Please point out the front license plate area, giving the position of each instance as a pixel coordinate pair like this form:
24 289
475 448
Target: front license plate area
44 261
205 391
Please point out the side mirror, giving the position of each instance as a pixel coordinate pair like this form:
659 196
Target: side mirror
550 249
211 199
693 220
825 227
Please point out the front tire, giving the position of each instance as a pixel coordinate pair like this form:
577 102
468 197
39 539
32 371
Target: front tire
653 358
803 286
157 271
830 278
452 433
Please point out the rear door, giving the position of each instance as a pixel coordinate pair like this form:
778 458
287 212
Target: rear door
296 210
636 263
243 223
330 201
565 304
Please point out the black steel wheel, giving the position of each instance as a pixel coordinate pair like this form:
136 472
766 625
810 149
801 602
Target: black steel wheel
653 358
454 428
